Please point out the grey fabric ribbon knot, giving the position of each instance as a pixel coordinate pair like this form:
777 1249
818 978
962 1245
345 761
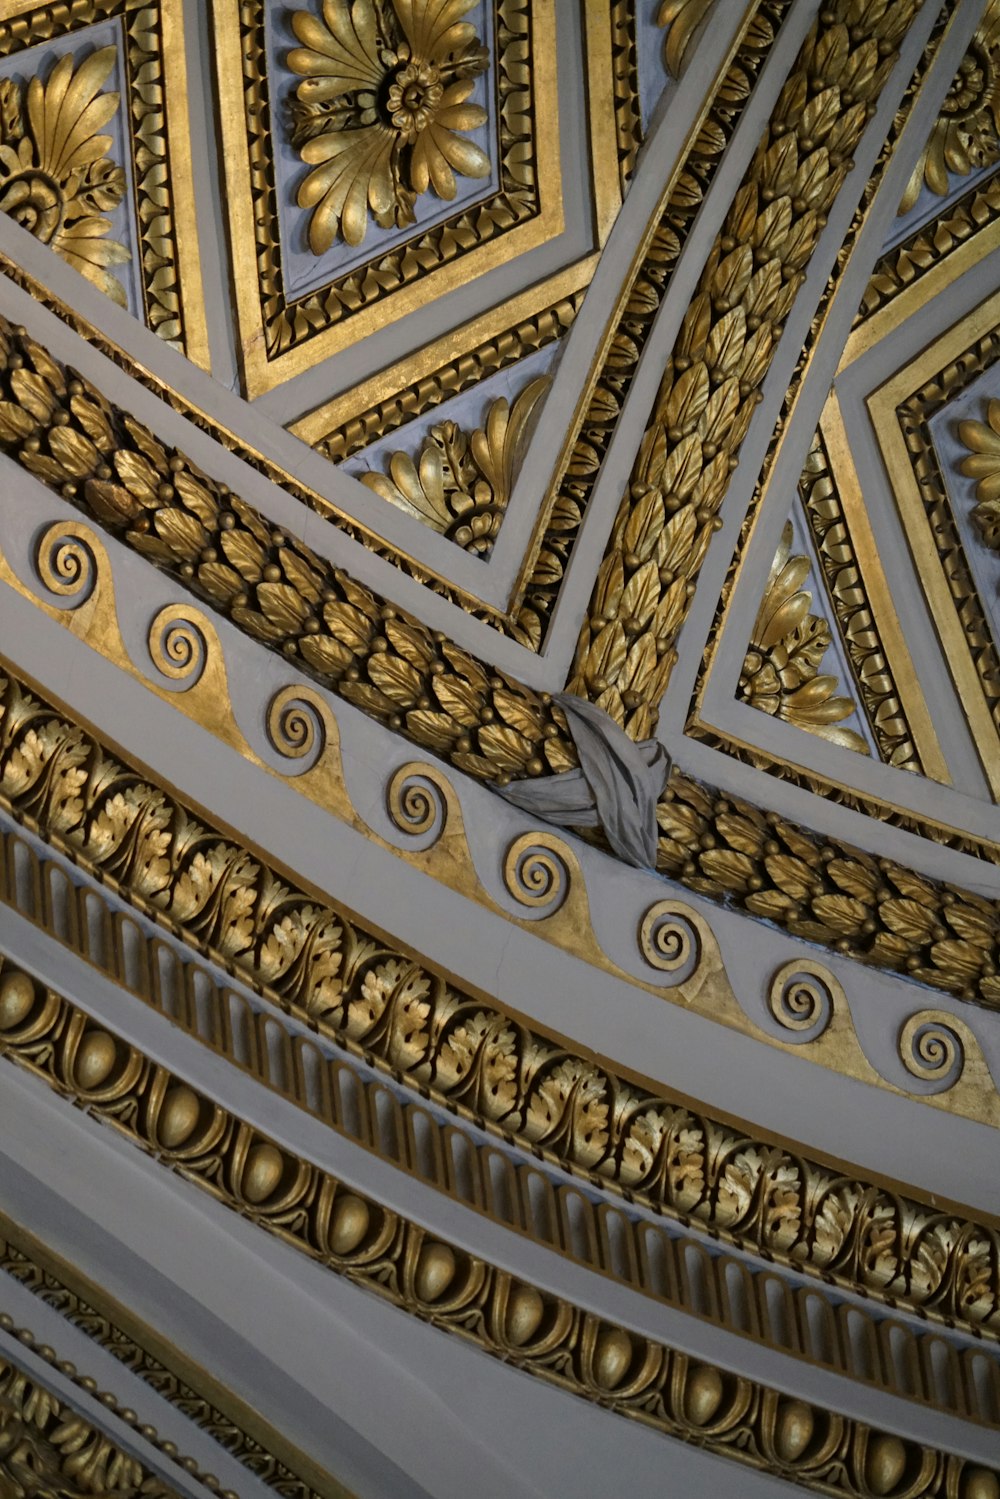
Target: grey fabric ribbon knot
616 787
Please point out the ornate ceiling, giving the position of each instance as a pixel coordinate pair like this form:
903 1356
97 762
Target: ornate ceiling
499 710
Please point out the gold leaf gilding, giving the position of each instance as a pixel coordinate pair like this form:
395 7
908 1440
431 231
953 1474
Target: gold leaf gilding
57 178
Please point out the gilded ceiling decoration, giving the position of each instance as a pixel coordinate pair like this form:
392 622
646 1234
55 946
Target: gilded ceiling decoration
841 898
833 514
361 167
319 966
460 483
983 465
57 176
60 174
383 112
539 1333
46 1448
966 136
476 701
107 1326
781 672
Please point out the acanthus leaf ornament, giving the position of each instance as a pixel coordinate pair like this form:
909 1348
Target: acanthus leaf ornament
383 112
983 464
460 485
966 134
57 178
781 672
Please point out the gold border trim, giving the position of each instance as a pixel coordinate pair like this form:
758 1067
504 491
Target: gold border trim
385 1253
262 370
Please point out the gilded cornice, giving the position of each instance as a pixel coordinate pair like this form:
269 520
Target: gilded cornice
390 1256
242 1432
545 885
652 1260
157 125
317 963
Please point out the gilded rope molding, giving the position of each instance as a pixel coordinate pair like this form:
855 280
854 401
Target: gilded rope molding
468 1055
392 1257
654 1262
86 1308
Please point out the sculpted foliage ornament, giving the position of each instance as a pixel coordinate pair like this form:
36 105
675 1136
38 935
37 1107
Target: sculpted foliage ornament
56 176
461 485
383 111
781 673
726 344
966 135
983 464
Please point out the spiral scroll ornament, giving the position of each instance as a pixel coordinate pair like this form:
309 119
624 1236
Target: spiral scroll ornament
536 873
177 646
295 726
801 1000
416 801
66 565
669 941
931 1050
